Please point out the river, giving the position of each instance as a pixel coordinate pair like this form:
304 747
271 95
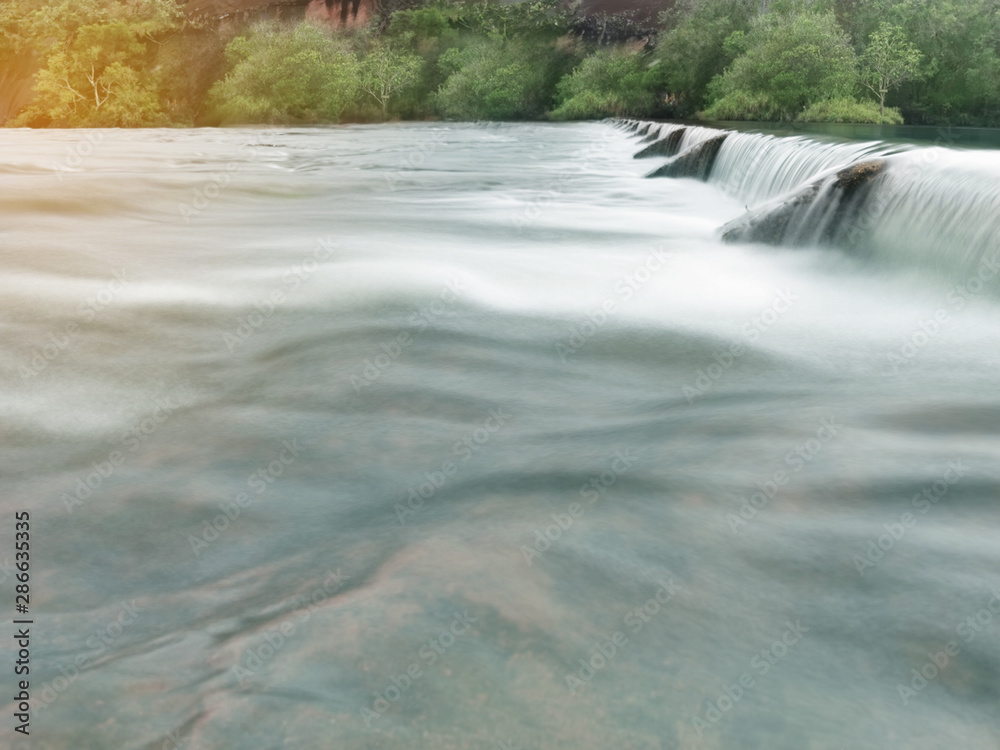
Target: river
470 436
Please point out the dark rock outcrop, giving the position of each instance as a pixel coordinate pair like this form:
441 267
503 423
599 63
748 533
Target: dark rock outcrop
667 146
653 133
842 195
696 162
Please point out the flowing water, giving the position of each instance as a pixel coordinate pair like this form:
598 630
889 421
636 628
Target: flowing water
468 436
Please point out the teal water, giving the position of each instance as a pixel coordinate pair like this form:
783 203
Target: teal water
503 447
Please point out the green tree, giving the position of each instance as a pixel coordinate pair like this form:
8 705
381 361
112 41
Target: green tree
279 74
692 51
960 41
496 79
97 67
889 60
610 82
788 63
385 72
96 80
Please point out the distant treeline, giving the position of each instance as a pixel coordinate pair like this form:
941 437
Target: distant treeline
107 63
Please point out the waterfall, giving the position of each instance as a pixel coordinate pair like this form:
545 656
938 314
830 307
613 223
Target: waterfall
695 134
939 207
756 167
931 207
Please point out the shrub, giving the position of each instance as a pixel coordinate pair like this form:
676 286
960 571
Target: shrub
850 110
788 62
608 83
286 75
693 51
499 80
96 80
190 62
386 72
742 105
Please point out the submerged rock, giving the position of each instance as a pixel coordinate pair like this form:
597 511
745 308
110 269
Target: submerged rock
667 146
653 133
696 162
804 212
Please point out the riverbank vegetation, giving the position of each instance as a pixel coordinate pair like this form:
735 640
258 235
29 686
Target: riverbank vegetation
108 63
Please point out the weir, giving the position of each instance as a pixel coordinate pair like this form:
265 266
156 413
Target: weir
696 161
668 144
823 211
896 204
655 132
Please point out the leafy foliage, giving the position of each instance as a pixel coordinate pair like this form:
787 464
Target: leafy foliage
608 83
95 81
743 105
285 75
788 63
694 50
959 42
850 110
145 62
427 33
889 60
386 72
496 79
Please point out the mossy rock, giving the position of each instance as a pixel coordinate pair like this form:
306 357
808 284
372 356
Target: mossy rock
771 225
